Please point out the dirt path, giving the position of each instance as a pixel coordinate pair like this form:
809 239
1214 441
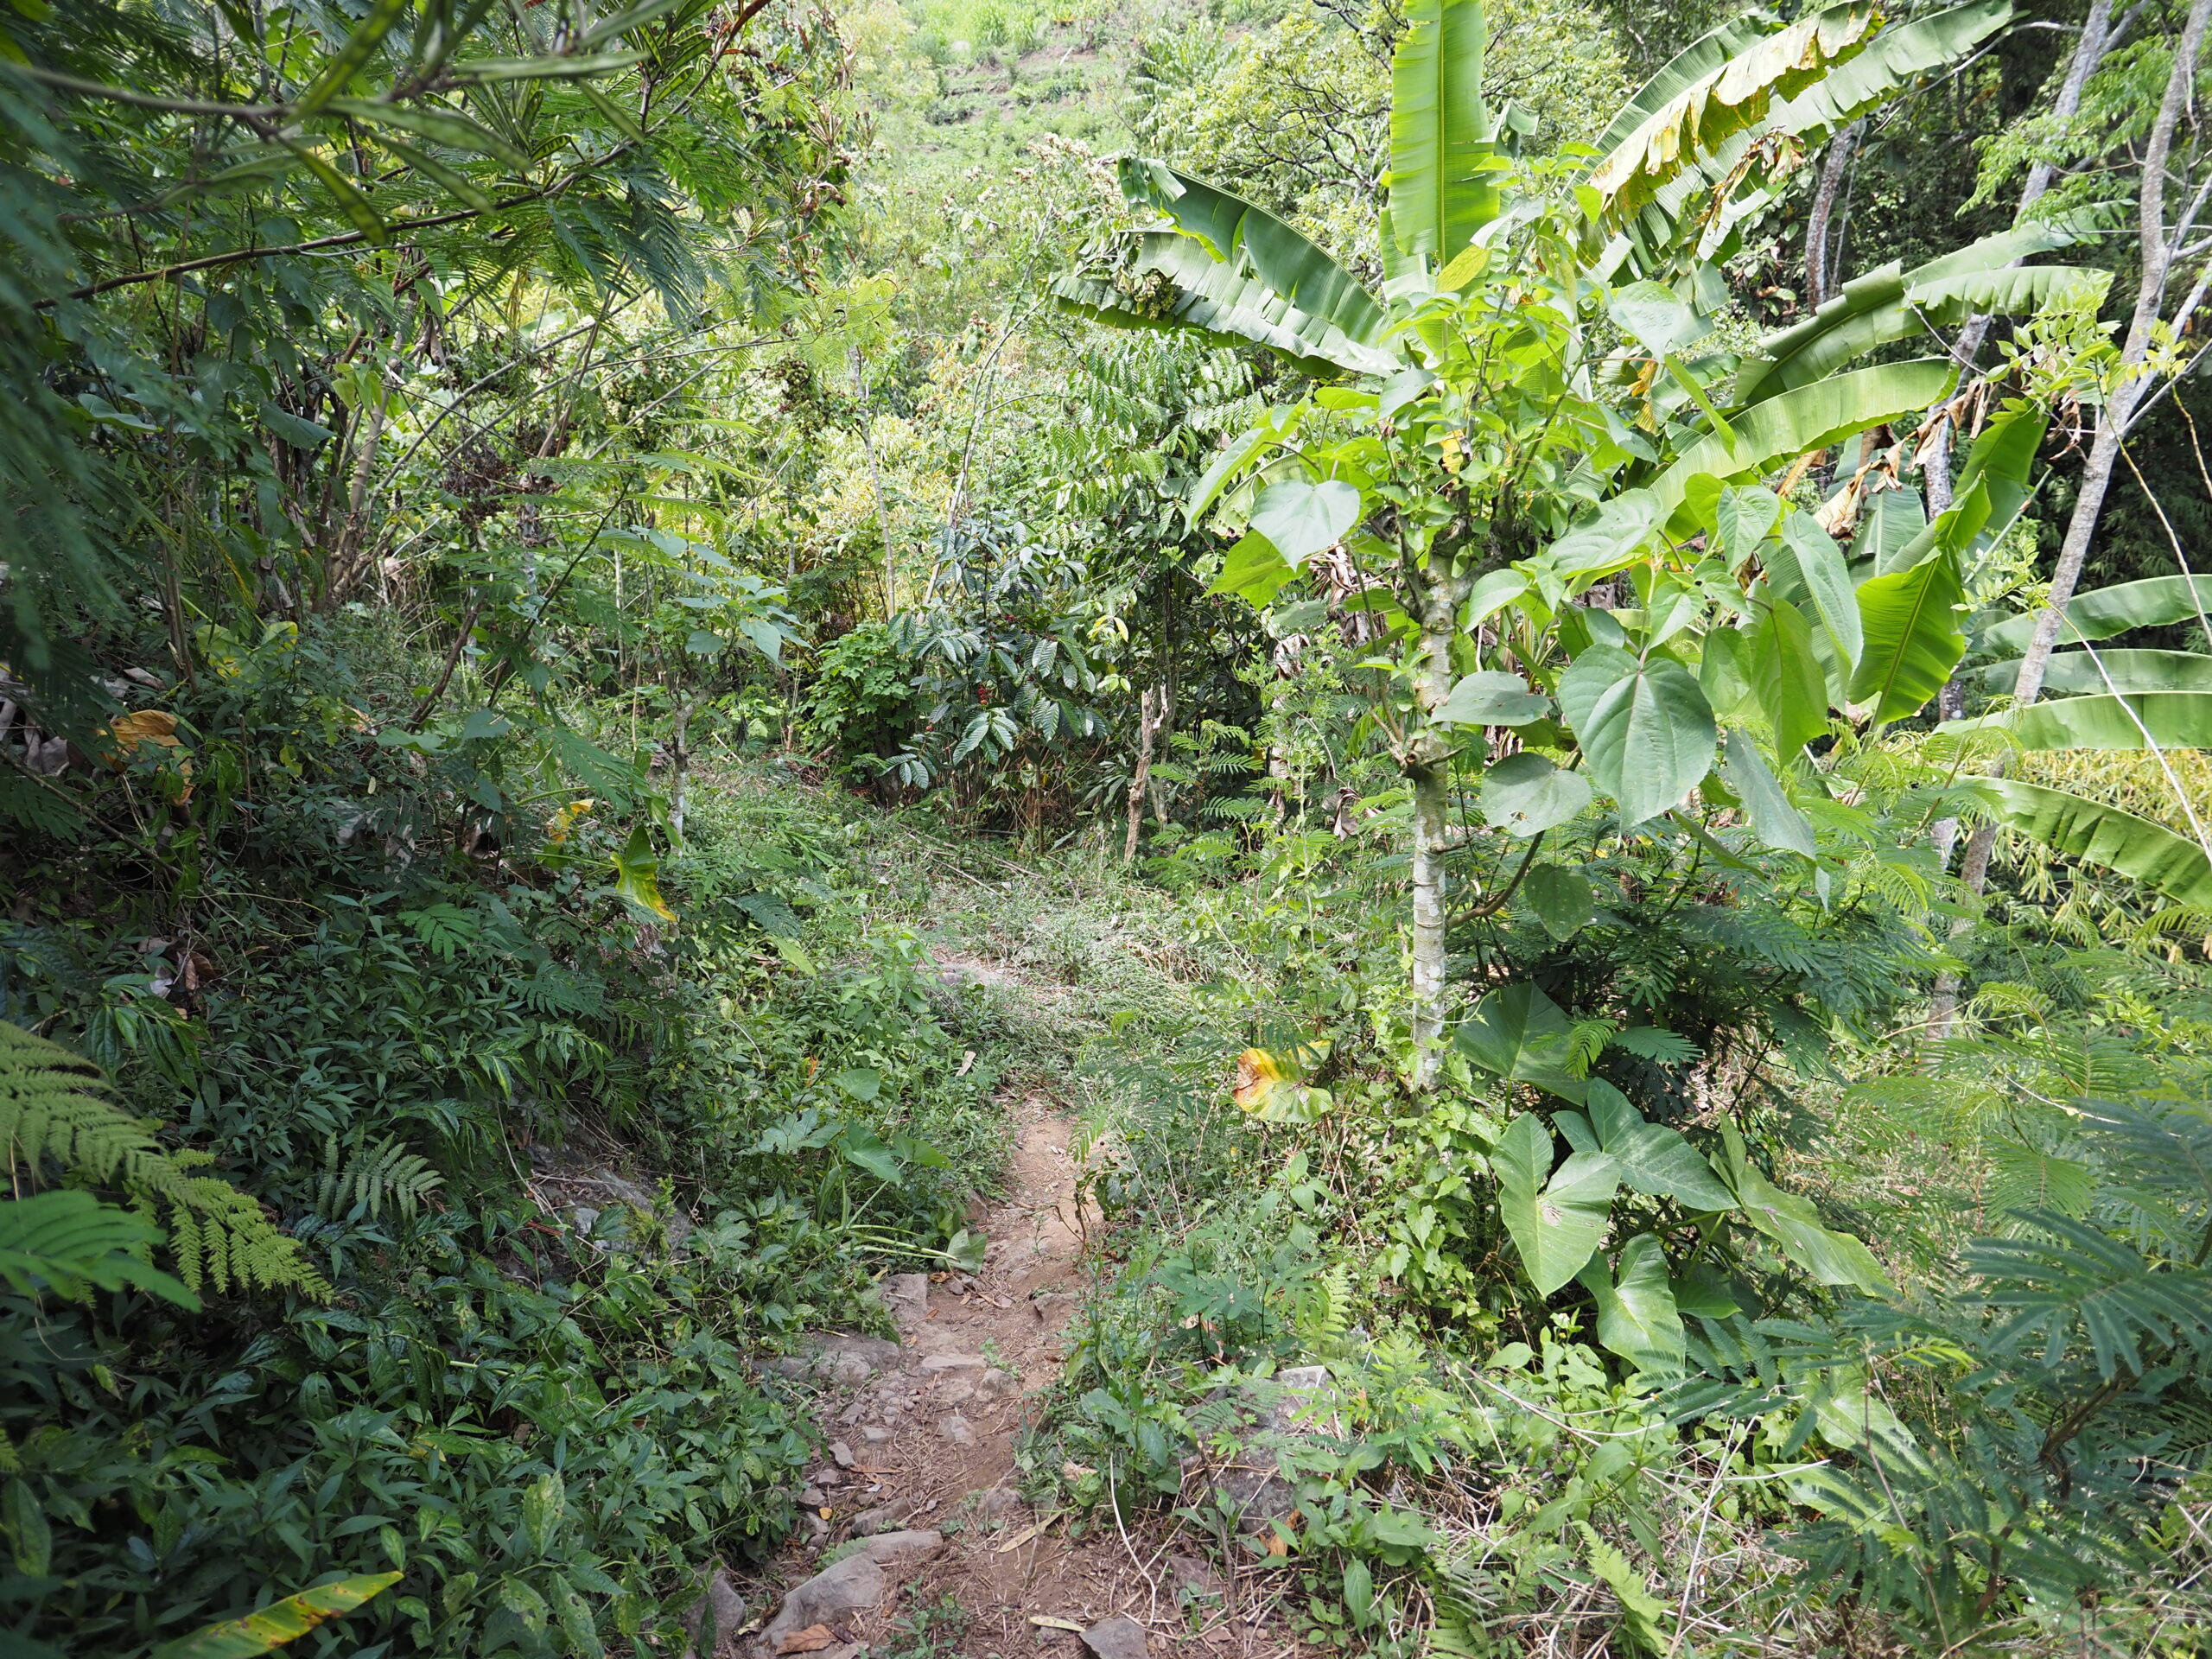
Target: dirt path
925 1432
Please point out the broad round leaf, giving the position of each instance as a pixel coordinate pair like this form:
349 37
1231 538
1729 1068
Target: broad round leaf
1525 795
1649 734
1557 1227
1636 1315
1521 1034
1492 699
1302 519
1560 898
1657 318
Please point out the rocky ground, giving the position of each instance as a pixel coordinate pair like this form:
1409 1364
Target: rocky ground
922 1545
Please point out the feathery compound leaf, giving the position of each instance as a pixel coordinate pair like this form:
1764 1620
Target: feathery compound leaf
69 1240
54 1110
2065 1282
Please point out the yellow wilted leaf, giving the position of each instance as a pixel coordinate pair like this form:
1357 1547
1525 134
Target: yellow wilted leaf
636 875
1257 1073
565 820
155 725
1267 1086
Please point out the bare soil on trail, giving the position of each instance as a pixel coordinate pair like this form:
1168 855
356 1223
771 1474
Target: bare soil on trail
928 1441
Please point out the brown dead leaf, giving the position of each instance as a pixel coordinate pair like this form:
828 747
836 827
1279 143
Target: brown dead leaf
1276 1546
812 1639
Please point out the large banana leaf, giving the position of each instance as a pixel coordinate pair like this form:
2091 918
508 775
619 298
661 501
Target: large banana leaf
2106 611
1807 418
1229 227
1897 58
2071 672
1441 130
1178 286
1891 304
1712 185
1910 624
2102 834
1685 69
2172 720
1992 487
1730 99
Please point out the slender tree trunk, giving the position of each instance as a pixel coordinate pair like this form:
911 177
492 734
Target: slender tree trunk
1431 792
679 762
1444 587
875 478
1817 222
2119 408
1148 721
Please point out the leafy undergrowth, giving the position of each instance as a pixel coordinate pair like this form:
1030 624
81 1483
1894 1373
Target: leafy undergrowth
541 1405
1777 1457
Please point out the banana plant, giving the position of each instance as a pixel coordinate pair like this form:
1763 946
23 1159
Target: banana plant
1505 426
2147 700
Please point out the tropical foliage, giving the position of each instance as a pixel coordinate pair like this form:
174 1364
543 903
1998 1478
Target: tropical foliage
1556 649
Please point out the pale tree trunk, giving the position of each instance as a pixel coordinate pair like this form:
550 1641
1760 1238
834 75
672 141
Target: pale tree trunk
679 761
2119 408
1841 148
1431 792
1149 705
1427 763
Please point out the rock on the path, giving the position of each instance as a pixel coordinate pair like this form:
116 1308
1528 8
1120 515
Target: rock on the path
952 1362
957 1429
874 1435
726 1607
1295 1403
896 1549
853 1586
907 1297
1118 1638
837 1356
841 1454
884 1517
1195 1577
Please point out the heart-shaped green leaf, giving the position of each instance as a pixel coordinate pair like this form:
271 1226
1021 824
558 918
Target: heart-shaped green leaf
1560 898
1302 519
1636 1315
1646 729
1525 795
1491 699
1521 1034
1555 1224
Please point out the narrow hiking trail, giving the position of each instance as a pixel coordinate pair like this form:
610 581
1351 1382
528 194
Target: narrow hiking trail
921 1477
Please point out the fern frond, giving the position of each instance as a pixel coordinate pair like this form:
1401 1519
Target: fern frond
369 1176
54 1105
55 1110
